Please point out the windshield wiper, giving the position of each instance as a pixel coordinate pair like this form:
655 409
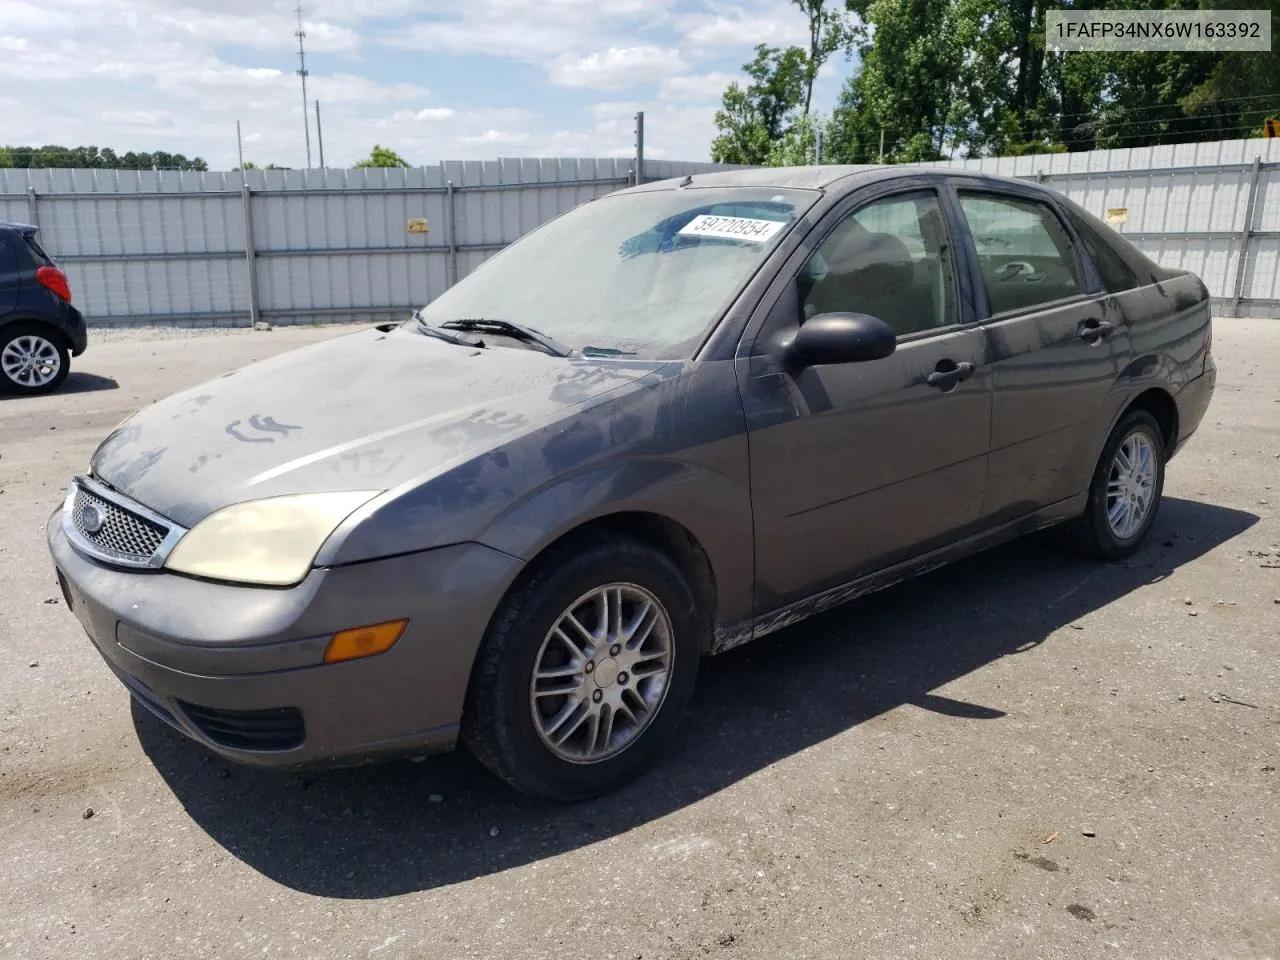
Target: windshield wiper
430 331
510 329
606 352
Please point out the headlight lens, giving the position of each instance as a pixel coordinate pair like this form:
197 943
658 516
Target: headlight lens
270 542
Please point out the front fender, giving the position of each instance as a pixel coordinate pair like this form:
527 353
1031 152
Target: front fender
711 505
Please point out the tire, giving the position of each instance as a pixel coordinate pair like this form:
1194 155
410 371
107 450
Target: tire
22 341
509 725
1094 534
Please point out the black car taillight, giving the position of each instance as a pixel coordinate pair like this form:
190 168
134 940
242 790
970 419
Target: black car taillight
55 280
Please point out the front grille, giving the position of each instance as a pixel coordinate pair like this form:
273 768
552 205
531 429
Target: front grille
123 535
280 728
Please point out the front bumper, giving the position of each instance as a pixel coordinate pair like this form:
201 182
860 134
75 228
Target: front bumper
240 669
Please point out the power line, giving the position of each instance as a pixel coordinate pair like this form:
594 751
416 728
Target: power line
1167 106
1050 124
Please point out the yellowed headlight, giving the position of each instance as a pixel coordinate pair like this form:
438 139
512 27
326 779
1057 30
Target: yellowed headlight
270 542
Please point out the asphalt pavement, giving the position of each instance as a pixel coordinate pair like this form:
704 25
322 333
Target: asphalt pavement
1023 755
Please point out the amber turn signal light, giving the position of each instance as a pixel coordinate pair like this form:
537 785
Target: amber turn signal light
364 641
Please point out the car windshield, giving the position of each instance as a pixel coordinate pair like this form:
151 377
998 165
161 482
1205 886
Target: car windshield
638 274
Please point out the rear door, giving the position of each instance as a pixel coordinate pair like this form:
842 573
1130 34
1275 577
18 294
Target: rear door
10 272
1059 347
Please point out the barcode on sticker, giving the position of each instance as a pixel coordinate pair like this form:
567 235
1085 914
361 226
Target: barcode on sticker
732 228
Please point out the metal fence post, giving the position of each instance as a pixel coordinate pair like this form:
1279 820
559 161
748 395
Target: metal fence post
639 148
452 226
250 257
33 210
1245 234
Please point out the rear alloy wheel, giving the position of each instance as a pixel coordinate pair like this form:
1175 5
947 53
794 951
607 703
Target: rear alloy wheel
32 360
585 669
1124 496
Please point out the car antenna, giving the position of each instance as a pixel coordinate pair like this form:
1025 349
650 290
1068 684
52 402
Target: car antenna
687 181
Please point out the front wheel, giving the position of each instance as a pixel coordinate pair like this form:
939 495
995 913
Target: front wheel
1124 496
585 670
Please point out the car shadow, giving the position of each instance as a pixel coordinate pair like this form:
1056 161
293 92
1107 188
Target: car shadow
386 830
78 382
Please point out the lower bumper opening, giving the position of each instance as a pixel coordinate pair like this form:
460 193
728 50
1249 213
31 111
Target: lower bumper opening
279 728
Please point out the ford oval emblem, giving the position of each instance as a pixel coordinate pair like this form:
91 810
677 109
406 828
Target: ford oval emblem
93 519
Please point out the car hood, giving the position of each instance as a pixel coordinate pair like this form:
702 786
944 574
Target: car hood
366 411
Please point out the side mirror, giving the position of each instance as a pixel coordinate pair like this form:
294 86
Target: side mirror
840 338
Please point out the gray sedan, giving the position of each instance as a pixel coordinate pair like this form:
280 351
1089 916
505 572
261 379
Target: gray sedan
669 422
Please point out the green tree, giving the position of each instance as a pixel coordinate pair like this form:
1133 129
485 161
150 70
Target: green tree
799 145
383 157
905 88
91 158
751 119
828 31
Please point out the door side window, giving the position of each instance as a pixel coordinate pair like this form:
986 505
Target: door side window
1023 251
890 259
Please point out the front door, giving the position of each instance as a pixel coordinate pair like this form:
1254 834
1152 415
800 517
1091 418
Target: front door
858 466
1058 349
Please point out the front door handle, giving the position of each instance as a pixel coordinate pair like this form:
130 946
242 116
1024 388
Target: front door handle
1094 330
949 374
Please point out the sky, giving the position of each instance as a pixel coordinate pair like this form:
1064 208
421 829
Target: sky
432 79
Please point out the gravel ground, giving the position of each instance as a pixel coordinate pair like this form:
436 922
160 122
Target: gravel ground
1023 755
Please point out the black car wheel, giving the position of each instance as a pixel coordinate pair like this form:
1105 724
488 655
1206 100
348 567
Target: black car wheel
585 669
1124 496
33 359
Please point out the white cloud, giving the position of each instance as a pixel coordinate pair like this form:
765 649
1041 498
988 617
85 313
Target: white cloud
138 118
775 22
537 30
176 75
706 86
616 67
435 113
496 136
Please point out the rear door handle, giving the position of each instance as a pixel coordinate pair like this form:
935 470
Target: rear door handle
1094 330
949 374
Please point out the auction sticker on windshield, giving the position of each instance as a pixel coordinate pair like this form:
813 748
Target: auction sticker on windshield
732 228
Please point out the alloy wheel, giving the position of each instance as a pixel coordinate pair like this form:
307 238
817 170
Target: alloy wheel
30 361
1131 485
602 672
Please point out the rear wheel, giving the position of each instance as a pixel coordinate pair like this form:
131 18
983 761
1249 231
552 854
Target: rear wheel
33 359
585 670
1124 496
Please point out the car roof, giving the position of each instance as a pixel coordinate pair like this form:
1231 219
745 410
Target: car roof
838 177
26 229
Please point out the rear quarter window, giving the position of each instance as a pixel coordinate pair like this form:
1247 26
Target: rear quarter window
1145 270
1116 275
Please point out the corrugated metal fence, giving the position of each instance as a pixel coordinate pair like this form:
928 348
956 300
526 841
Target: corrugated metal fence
1212 208
292 246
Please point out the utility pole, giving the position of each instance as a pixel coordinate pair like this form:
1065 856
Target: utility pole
319 135
882 144
240 149
817 147
302 72
639 148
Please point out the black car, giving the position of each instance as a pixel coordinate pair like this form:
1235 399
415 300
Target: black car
39 328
